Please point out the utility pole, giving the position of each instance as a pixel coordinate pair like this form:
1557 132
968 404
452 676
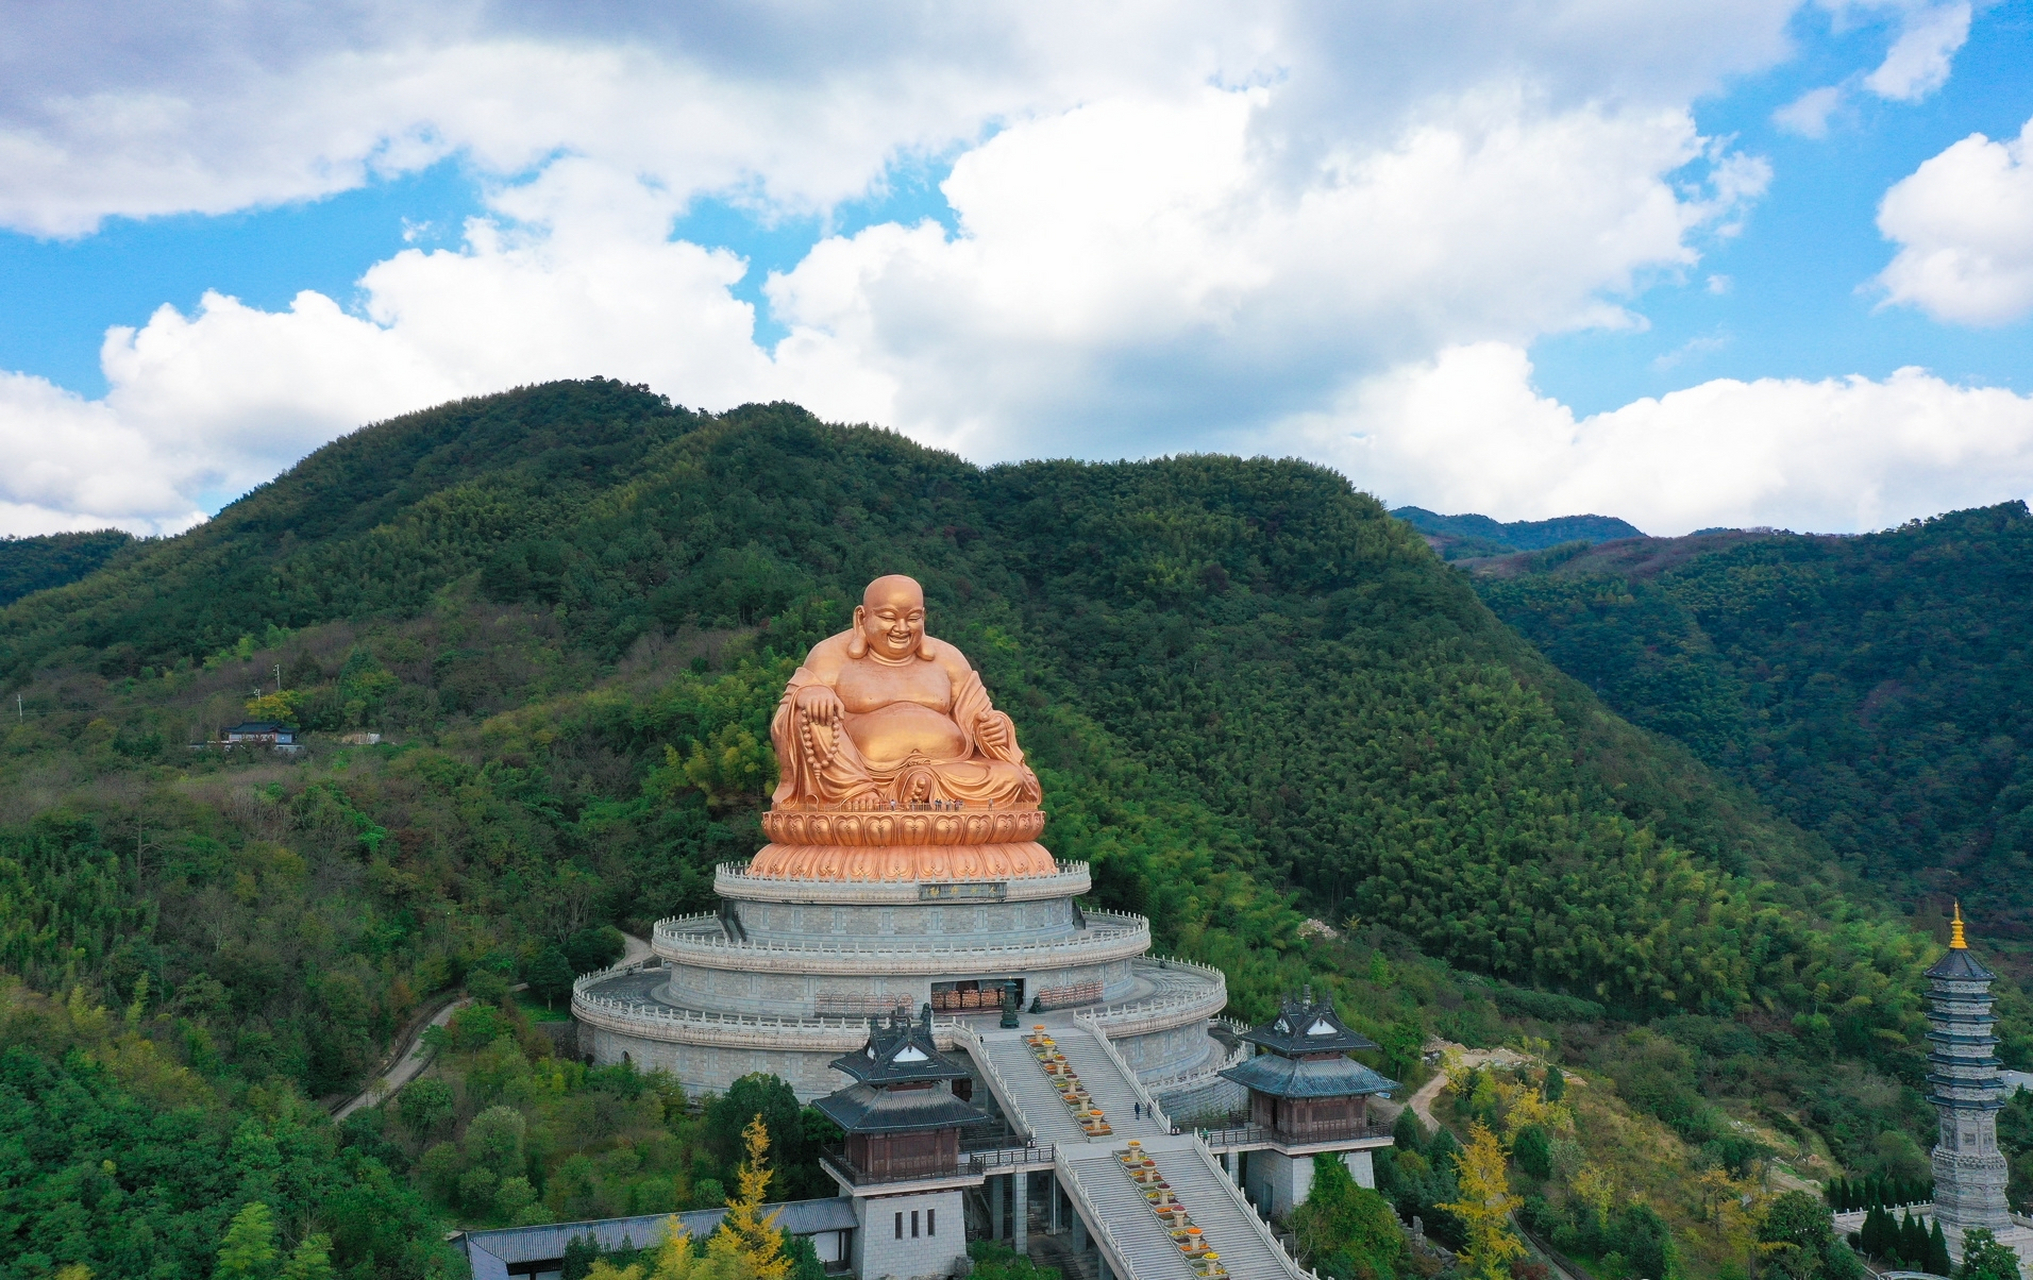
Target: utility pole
19 714
278 677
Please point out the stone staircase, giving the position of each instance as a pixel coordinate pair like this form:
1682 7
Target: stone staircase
1106 1086
1204 1189
1104 1194
1107 1195
1035 1100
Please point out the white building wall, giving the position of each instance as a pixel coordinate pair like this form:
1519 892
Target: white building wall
886 1249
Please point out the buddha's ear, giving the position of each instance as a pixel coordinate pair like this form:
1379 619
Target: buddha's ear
857 643
928 648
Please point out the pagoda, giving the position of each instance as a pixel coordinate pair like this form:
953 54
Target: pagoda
901 1165
901 1117
1964 1086
1307 1096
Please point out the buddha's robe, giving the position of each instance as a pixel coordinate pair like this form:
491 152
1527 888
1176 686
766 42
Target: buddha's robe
926 747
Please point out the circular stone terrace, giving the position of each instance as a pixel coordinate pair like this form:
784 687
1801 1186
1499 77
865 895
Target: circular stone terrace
714 1002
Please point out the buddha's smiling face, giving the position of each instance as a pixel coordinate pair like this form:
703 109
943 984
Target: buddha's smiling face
892 617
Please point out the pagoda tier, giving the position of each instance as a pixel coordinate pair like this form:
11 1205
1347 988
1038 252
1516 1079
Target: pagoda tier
1963 1083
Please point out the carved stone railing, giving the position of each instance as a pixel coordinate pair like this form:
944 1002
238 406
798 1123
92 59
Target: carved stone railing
731 880
1109 937
1243 1206
1119 1260
966 1037
1204 1075
1166 1009
656 1021
1128 1073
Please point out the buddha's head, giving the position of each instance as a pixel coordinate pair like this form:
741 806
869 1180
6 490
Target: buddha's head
890 622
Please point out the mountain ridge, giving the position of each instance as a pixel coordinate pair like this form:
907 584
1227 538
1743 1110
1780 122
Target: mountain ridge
1461 537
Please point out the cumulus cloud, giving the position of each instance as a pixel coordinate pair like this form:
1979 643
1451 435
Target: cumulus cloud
1964 225
1926 37
1920 58
1210 226
1467 431
203 406
215 106
1104 243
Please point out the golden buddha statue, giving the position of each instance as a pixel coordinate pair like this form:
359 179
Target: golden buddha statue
894 763
885 714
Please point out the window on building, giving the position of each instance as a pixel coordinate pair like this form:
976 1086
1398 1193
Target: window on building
931 1226
914 1224
900 1226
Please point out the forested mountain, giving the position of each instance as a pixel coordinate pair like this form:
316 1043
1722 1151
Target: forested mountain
1467 536
1251 694
1878 690
51 560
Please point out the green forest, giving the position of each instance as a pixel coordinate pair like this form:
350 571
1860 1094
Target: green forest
36 564
1254 698
1875 690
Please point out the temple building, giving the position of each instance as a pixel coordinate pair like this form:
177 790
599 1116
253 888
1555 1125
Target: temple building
1967 1093
902 1157
1306 1095
903 870
904 873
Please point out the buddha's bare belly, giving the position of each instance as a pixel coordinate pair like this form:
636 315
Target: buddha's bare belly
890 735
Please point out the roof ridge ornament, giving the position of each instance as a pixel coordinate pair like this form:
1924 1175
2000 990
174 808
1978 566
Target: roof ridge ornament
1956 941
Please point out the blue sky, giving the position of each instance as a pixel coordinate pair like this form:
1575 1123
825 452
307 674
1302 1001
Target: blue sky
1526 259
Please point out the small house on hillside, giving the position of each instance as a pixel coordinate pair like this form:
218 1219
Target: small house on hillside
261 733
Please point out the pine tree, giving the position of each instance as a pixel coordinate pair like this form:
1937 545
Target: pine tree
1937 1251
1486 1206
1874 1232
248 1252
755 1238
1913 1242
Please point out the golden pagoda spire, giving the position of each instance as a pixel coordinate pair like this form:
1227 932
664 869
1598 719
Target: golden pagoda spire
1956 941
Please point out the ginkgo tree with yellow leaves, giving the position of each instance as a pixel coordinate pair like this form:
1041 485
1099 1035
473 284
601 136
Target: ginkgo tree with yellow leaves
748 1246
1486 1206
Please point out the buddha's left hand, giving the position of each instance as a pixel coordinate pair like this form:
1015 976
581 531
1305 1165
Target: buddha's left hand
992 731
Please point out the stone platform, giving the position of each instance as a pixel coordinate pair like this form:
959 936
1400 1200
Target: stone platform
784 977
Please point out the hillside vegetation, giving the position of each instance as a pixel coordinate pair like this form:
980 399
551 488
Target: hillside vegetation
52 560
569 610
1877 690
1468 536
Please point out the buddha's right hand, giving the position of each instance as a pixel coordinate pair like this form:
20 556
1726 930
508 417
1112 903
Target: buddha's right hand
820 705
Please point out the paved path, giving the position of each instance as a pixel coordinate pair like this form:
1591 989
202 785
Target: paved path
410 1062
415 1055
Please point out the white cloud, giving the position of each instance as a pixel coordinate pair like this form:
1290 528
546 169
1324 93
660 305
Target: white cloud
1228 225
1466 431
1926 37
206 405
1964 225
1097 246
210 107
1807 115
1919 60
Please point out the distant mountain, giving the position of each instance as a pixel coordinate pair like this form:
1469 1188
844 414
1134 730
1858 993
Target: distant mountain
36 564
1466 536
